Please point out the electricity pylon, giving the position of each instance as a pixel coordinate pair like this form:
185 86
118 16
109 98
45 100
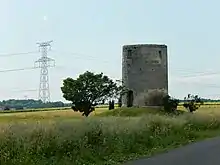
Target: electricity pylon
43 63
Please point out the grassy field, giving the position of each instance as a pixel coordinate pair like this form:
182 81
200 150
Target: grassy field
45 115
59 137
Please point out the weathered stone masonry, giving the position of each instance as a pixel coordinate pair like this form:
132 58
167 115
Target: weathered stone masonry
144 67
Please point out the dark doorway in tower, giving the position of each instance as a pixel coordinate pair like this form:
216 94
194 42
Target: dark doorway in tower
130 98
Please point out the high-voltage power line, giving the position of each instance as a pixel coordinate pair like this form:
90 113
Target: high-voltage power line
44 62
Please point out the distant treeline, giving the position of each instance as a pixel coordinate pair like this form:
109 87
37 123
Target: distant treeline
33 104
30 104
206 100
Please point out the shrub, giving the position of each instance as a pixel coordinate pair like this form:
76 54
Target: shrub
170 104
120 101
111 105
192 103
155 97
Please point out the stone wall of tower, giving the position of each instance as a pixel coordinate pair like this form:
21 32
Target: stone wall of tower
144 68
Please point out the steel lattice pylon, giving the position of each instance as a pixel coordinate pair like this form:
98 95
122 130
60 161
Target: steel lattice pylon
43 63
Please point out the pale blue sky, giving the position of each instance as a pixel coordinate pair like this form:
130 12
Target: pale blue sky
89 35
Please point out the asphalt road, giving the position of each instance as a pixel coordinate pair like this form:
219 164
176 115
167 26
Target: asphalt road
202 153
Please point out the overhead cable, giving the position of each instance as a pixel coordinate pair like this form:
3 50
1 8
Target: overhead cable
17 54
19 69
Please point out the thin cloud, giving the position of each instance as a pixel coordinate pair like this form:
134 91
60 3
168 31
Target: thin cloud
197 79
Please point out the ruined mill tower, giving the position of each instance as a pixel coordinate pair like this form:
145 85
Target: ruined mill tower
144 68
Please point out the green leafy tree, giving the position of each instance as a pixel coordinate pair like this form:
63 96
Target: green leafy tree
192 103
87 90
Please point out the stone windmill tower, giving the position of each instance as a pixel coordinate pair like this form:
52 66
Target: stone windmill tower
144 68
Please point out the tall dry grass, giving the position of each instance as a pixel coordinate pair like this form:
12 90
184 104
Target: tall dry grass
96 140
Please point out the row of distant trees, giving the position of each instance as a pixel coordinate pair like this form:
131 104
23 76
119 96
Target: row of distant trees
29 104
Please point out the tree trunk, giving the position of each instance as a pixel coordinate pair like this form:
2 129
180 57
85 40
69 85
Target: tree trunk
87 110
